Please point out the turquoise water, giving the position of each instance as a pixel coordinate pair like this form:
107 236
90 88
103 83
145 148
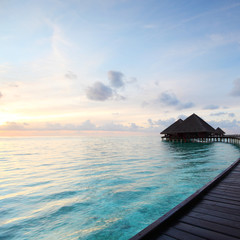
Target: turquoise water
98 187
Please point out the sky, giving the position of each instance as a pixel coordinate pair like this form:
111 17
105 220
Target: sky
68 67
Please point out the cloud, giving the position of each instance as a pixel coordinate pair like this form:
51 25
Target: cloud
1 95
116 79
132 80
170 99
211 107
13 126
218 114
70 75
231 127
118 97
99 92
231 115
222 114
183 117
89 126
236 88
111 126
186 105
162 123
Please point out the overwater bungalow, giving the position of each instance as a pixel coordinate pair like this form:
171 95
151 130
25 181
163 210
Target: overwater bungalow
219 132
191 128
169 131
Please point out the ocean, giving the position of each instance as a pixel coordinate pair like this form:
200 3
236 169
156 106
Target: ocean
98 188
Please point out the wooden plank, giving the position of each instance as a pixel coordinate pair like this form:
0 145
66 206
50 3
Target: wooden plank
231 180
223 196
165 237
220 209
231 187
221 200
204 233
217 213
179 234
215 219
234 181
235 171
230 206
234 187
231 183
215 227
226 190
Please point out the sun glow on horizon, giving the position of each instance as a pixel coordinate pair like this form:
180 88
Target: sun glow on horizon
6 118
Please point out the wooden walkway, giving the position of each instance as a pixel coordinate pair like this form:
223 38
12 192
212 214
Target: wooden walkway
213 212
234 139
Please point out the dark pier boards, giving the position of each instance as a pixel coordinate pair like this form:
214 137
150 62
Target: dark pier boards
213 212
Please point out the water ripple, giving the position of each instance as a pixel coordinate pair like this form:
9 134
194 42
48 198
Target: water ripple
98 188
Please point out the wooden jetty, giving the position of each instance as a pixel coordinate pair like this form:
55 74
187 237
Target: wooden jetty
234 139
195 129
213 212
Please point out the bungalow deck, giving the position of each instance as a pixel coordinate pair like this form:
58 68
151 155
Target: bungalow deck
213 212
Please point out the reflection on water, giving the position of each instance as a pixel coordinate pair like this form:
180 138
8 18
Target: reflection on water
98 188
189 150
190 155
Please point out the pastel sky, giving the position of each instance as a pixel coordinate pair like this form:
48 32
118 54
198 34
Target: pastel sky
118 65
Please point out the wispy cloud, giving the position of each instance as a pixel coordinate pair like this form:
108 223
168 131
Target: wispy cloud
14 126
230 126
218 114
90 126
169 99
160 123
211 107
223 114
205 14
84 126
186 105
70 75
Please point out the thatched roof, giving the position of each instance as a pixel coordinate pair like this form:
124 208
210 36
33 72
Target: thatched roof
219 131
192 124
172 127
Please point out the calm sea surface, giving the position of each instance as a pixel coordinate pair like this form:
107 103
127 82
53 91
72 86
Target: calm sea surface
98 187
